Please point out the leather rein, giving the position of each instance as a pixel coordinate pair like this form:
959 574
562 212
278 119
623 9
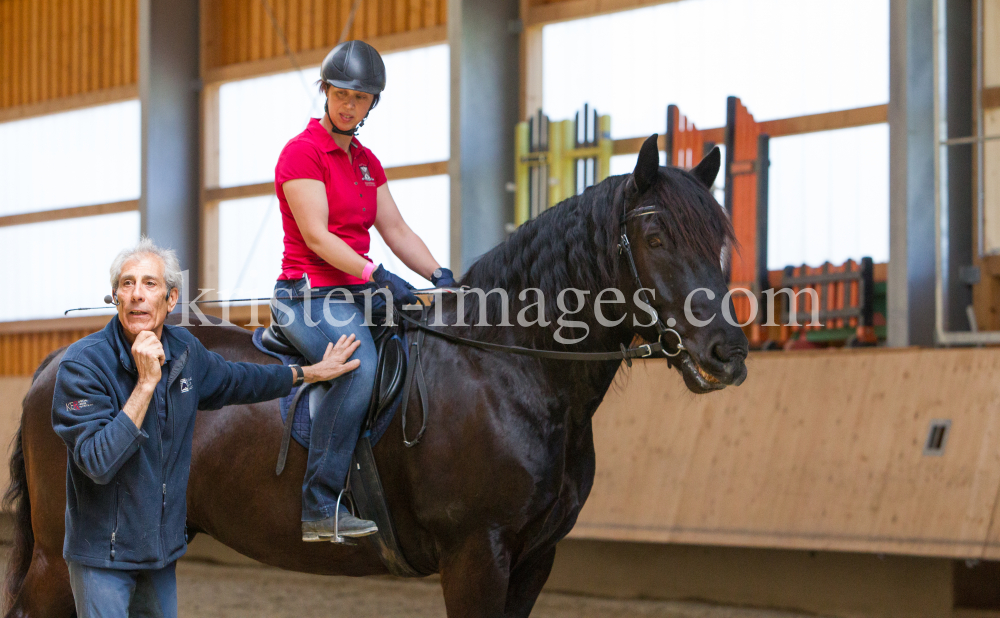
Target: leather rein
626 354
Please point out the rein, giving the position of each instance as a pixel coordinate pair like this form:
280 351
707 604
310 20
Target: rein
626 354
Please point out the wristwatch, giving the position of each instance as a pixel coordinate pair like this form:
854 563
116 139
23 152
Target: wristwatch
300 375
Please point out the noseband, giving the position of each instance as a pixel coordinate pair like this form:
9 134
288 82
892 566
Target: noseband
624 246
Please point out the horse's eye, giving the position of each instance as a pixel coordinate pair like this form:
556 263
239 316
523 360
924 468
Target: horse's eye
654 241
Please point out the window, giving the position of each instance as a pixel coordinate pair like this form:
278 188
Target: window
424 204
76 158
251 247
783 58
410 125
828 197
58 265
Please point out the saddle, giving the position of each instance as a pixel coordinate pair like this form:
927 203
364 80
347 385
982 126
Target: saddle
389 377
363 484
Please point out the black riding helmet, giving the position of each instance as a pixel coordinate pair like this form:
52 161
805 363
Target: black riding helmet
354 65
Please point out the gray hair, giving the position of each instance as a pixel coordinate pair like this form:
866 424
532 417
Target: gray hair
146 246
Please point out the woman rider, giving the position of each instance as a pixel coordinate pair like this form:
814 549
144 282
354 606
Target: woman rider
331 189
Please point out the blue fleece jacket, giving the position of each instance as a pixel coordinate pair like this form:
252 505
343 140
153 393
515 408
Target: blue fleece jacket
126 486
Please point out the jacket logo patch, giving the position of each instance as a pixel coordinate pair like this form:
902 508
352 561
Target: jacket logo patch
364 174
186 384
79 404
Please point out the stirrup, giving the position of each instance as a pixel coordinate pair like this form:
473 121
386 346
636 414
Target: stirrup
336 523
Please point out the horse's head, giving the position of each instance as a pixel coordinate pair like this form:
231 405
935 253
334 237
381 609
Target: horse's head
678 235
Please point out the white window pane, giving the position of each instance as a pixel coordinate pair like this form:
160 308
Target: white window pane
85 156
828 197
250 247
424 204
258 116
59 265
781 57
412 121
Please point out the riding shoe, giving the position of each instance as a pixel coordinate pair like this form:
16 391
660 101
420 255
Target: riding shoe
347 526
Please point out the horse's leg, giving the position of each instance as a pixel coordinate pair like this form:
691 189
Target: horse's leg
474 578
526 582
46 592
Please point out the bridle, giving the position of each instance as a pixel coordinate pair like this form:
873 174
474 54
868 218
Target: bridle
624 246
626 354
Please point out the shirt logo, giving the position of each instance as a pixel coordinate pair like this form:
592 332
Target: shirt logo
186 384
79 404
365 175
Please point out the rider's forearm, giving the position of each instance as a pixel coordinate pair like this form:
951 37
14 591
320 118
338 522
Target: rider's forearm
338 254
408 247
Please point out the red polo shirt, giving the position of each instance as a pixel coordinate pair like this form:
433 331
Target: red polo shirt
350 193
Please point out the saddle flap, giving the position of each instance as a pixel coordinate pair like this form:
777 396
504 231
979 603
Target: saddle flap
389 377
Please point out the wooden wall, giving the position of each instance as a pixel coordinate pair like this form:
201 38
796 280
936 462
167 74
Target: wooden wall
21 353
242 31
65 49
816 450
60 48
23 345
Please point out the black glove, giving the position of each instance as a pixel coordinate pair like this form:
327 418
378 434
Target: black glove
400 289
443 278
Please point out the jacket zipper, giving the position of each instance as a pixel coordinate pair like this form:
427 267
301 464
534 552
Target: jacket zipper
163 507
114 530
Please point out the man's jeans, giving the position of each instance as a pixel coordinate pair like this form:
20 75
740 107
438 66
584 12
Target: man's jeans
109 593
343 401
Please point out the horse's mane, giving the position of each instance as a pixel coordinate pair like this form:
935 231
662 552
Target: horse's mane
575 243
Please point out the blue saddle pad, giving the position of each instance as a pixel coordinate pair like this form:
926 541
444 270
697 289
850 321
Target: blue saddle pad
301 423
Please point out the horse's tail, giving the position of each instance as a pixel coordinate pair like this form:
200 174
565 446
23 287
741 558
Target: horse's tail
24 537
16 499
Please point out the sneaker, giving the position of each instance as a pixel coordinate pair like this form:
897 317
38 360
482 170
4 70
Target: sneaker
348 526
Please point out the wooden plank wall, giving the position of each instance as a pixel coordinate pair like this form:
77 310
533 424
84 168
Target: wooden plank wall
21 353
816 450
53 49
243 31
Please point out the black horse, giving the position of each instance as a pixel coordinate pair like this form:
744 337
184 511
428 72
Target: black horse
507 460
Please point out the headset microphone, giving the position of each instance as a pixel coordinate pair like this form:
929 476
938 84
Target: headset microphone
110 300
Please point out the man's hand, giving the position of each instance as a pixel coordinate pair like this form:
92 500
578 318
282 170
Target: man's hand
147 352
334 361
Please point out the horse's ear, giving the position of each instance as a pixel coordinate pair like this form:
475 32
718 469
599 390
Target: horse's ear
648 165
708 168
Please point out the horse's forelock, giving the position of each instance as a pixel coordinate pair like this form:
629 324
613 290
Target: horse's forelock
691 218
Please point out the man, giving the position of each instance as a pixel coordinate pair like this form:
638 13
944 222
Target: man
125 402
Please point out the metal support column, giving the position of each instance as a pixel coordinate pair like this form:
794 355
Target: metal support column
484 40
168 91
958 248
911 173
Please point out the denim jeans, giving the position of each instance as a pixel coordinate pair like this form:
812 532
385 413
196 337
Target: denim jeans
109 593
342 402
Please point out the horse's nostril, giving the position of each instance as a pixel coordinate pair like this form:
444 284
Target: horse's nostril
720 353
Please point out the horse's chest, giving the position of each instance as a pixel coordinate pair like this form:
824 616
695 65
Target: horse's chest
567 494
